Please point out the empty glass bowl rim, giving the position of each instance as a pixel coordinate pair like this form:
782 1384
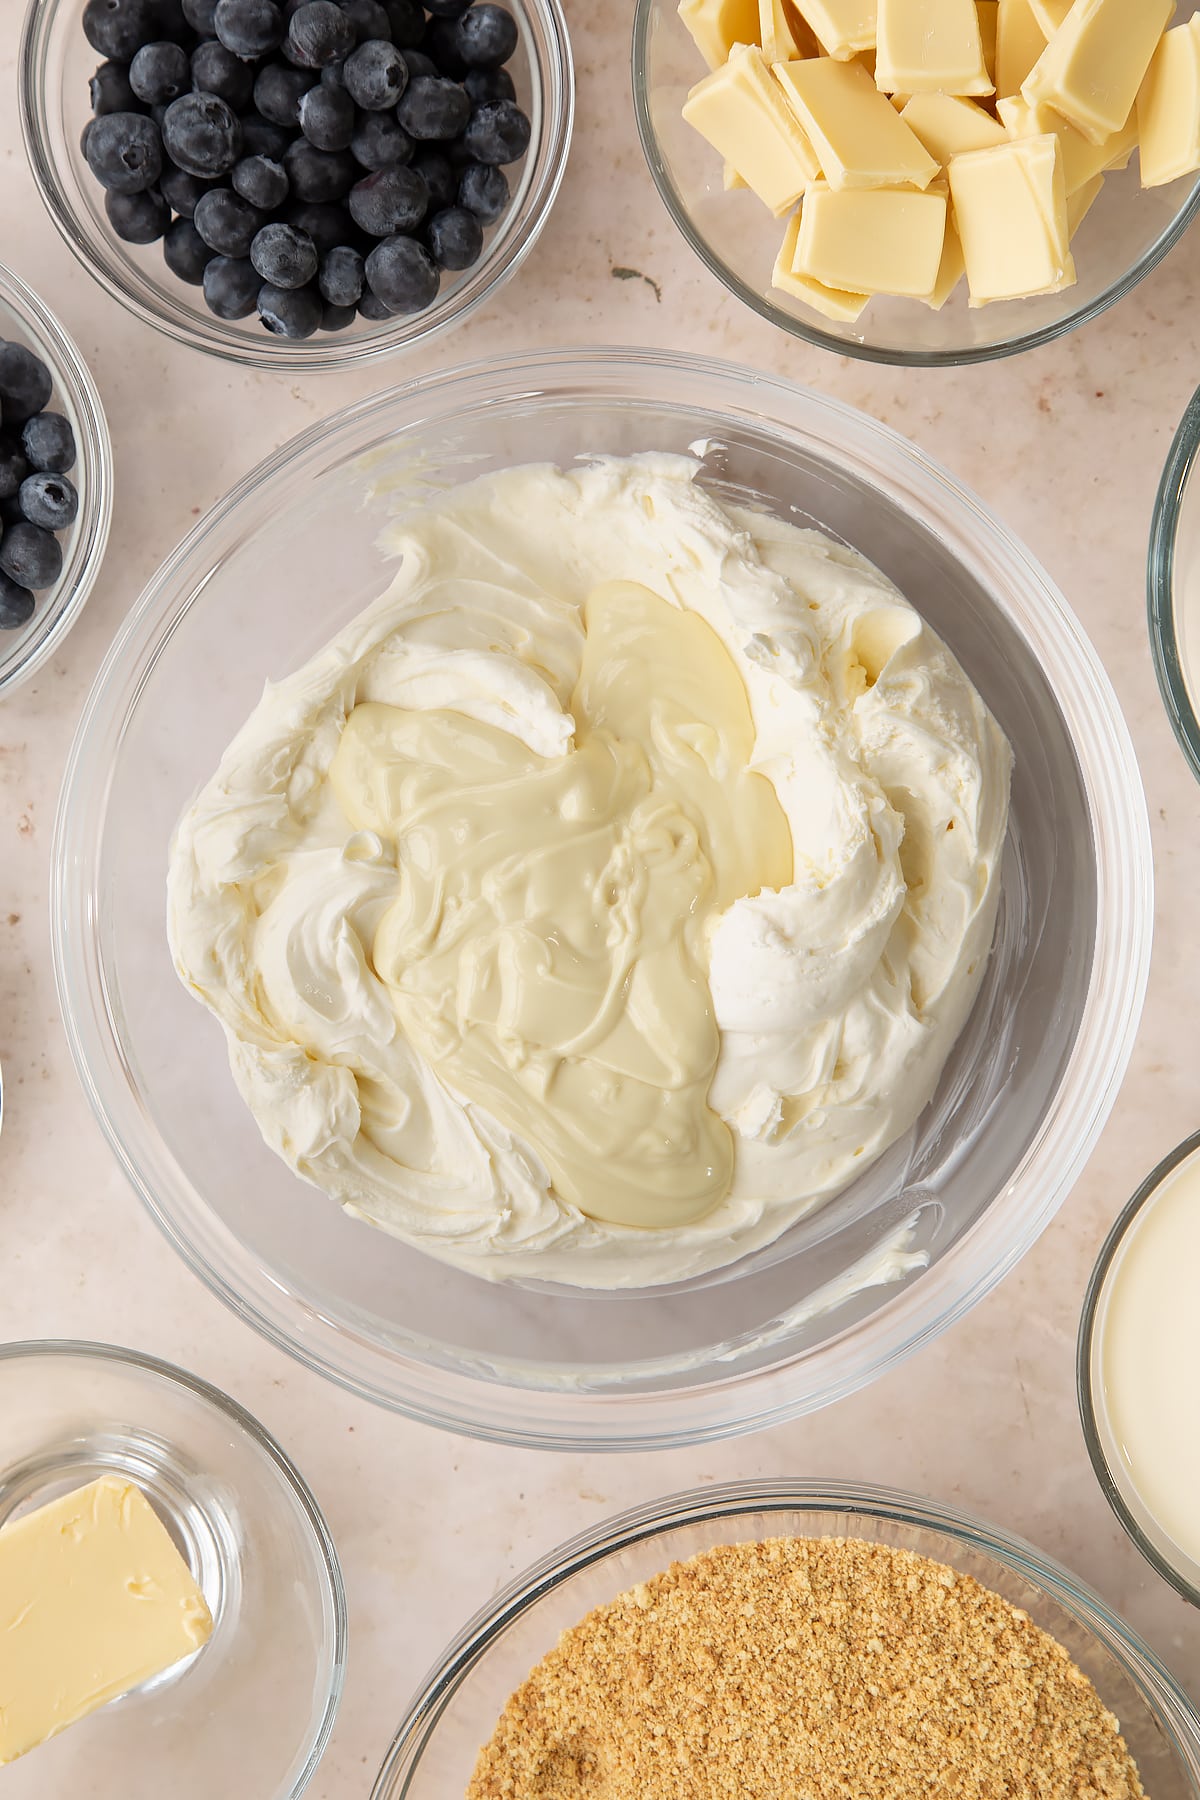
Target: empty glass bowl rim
1160 583
1126 1219
728 1403
813 333
89 534
732 1500
325 351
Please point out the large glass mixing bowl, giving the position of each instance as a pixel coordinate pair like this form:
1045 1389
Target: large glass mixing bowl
272 572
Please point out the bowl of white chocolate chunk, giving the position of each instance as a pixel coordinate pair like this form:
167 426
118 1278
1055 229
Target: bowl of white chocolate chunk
601 900
927 184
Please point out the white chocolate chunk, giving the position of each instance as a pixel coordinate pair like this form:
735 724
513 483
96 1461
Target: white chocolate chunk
835 303
859 138
1080 203
717 25
1010 207
1168 108
1092 68
843 28
930 46
741 110
950 271
989 25
1081 159
1050 14
1020 41
782 33
872 240
949 125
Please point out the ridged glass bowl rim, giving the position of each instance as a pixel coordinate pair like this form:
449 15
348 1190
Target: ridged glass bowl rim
813 334
730 1405
1085 1387
89 534
1160 583
325 351
1167 1701
245 1424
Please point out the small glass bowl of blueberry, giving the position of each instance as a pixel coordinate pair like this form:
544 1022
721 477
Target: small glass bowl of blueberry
56 479
298 184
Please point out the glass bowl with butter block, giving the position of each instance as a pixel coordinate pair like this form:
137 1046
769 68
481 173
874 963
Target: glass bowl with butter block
934 196
1173 586
1139 1349
456 1710
175 1620
863 1280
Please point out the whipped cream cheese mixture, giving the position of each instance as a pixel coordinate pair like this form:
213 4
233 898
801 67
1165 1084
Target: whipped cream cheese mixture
610 892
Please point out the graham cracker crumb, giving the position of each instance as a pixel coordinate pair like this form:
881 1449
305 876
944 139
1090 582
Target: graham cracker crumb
819 1669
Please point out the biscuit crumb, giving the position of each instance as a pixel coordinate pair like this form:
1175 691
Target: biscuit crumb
811 1667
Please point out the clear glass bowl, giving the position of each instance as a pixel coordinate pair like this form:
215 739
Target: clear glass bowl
1173 586
251 1713
56 63
1103 1441
25 318
264 581
1126 234
456 1711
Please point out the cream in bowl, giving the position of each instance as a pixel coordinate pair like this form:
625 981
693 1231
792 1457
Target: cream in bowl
610 893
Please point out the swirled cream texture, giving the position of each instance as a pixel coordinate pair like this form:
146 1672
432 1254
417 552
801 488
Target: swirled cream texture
609 893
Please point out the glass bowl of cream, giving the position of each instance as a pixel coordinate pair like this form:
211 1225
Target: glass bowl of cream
1173 587
1139 1348
279 571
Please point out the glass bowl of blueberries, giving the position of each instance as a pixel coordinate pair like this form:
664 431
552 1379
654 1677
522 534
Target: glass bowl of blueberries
56 481
298 184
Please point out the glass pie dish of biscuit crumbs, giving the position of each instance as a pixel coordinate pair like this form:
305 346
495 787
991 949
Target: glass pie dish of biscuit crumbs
880 1642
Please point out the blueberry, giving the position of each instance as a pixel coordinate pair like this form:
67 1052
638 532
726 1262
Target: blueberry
319 174
372 307
369 19
180 190
318 33
407 21
249 27
483 190
402 274
25 383
336 318
376 75
124 152
201 16
84 135
283 256
159 73
49 501
447 9
327 117
278 92
262 137
379 141
455 237
331 76
227 223
216 70
30 556
16 604
341 276
433 108
391 200
498 132
110 90
185 252
486 36
201 134
439 176
138 218
418 63
326 224
441 42
261 181
13 466
290 312
489 84
231 286
119 28
173 23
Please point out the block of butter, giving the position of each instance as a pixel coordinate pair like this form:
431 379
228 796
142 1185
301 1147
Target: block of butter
949 126
1010 207
741 110
717 25
859 138
94 1600
1020 40
1168 107
930 47
835 303
782 33
1081 159
844 28
1093 66
872 240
